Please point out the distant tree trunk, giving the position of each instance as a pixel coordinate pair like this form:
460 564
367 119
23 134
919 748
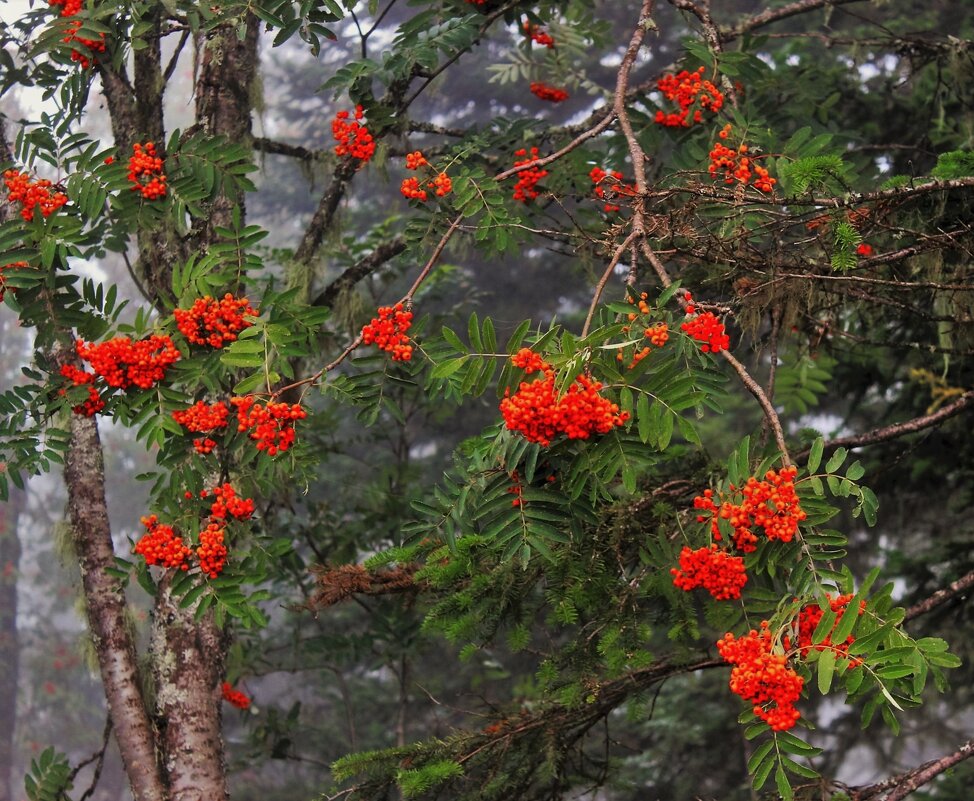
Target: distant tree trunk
9 641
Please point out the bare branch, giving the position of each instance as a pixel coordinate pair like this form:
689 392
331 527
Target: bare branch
363 267
899 787
264 145
776 14
941 596
899 429
321 220
434 258
610 268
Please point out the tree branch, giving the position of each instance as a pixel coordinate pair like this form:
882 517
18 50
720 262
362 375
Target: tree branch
363 267
776 14
610 268
899 787
321 220
940 597
898 429
84 475
264 145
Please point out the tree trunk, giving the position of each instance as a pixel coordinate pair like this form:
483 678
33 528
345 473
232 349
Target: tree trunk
84 475
9 640
188 663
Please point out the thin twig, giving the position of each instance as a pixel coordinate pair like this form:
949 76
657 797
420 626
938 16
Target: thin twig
98 758
583 137
433 259
613 262
171 66
770 414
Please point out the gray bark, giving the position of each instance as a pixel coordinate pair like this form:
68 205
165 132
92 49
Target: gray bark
84 475
9 639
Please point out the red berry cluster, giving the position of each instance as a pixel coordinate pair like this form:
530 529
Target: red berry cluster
202 416
708 329
160 545
721 574
688 89
609 185
864 249
737 166
229 503
658 335
15 265
388 332
235 697
94 45
32 195
525 189
704 328
122 362
68 9
145 171
537 412
271 426
771 505
415 160
211 551
441 184
538 35
763 677
411 188
214 322
95 403
808 620
352 136
552 94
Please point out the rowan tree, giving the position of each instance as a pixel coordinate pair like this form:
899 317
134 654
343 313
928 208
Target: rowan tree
645 501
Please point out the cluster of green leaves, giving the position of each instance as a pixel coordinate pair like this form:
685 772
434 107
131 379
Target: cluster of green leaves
49 778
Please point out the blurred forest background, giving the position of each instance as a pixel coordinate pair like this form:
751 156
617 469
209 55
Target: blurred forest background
893 81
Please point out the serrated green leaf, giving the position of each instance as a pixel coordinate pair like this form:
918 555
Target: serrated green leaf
815 455
835 462
826 669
